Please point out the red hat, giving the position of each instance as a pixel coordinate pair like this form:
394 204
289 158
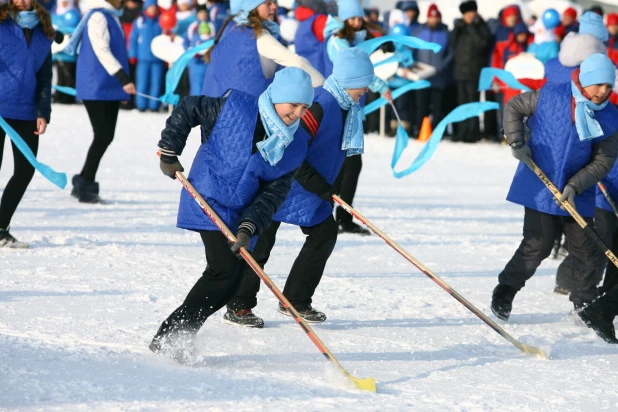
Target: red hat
571 12
510 11
612 18
433 11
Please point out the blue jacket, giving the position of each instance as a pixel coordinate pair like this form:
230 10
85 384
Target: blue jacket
218 13
144 30
555 72
325 157
92 80
557 150
309 47
228 171
235 64
25 73
442 60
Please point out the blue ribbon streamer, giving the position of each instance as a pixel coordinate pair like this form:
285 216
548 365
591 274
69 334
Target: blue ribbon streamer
376 104
371 45
488 74
59 179
463 112
66 90
172 78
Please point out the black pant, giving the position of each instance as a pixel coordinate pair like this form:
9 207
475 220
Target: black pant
539 234
429 101
306 272
103 116
606 225
346 183
467 130
213 290
66 77
22 169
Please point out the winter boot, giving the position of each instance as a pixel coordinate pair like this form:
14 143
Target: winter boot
77 180
599 315
309 314
502 301
243 317
178 345
561 291
8 241
351 227
89 192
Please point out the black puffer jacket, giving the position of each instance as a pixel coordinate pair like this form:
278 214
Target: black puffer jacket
471 46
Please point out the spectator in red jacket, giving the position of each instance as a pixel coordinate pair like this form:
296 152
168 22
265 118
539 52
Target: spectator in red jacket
504 36
612 43
569 23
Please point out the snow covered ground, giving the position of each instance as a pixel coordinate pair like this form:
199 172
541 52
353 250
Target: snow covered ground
79 308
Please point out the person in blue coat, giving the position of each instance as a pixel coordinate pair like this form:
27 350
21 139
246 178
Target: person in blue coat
102 82
574 141
198 32
334 125
185 16
149 69
244 170
219 12
247 53
26 34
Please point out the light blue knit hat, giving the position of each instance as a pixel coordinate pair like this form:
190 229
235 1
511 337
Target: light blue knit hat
235 6
353 69
591 23
245 5
597 69
349 9
292 85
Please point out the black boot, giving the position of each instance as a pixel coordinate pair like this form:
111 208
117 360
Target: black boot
243 317
89 192
308 313
8 241
599 315
77 180
502 301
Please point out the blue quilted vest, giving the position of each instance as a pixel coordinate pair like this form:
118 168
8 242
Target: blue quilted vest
235 64
93 82
18 67
328 63
301 207
611 184
555 72
226 172
309 47
557 150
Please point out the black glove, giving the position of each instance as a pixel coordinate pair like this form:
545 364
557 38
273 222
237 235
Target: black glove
521 151
568 193
243 239
170 165
327 194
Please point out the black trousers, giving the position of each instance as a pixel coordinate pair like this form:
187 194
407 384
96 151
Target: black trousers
430 101
346 184
306 272
103 117
539 234
217 285
468 130
66 77
606 225
22 169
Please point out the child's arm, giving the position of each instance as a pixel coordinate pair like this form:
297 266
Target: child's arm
601 161
519 107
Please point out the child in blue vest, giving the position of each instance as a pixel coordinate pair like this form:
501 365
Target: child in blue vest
309 37
149 68
198 32
246 56
25 104
334 123
244 170
574 141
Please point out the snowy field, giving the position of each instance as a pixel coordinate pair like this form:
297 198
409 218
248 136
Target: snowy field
78 310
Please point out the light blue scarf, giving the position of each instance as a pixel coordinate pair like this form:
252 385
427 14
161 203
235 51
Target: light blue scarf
279 134
273 28
26 19
353 138
73 47
587 127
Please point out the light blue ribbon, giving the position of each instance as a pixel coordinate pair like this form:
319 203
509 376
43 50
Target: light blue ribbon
172 78
66 90
463 112
487 78
372 45
376 104
59 179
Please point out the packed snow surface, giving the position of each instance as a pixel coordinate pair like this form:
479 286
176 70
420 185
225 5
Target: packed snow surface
78 309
